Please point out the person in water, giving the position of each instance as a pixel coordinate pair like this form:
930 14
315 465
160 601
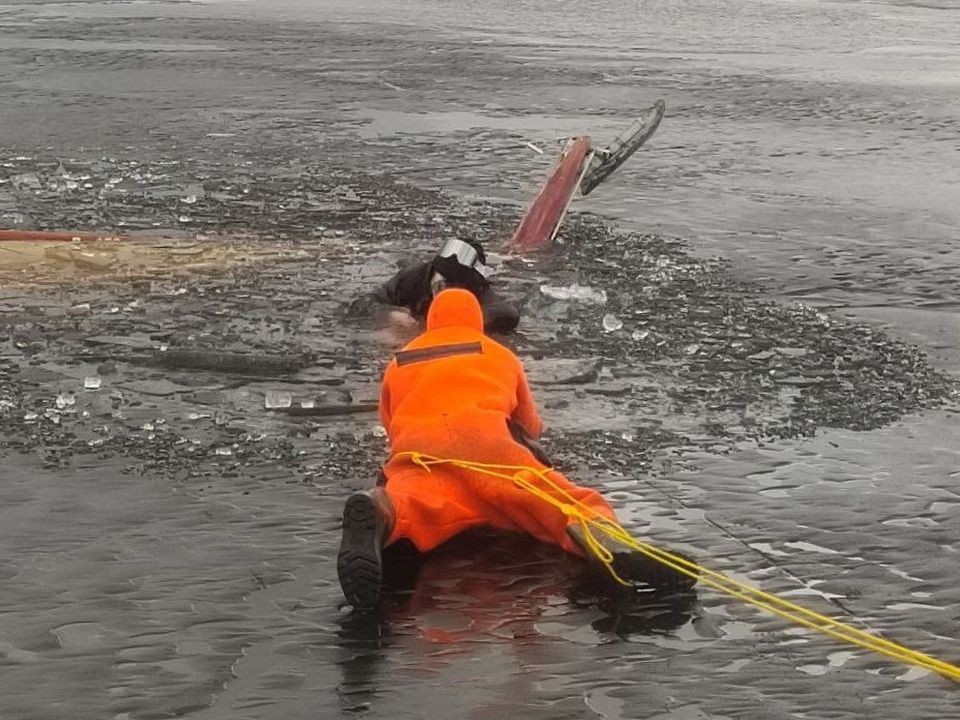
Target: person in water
455 393
459 264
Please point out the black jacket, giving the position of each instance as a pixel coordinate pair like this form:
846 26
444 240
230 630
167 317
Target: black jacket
410 288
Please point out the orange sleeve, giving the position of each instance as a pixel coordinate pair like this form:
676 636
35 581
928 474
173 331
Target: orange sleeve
384 407
526 413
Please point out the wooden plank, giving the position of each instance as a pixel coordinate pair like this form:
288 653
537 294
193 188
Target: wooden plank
53 236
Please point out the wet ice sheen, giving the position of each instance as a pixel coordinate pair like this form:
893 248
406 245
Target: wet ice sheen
145 597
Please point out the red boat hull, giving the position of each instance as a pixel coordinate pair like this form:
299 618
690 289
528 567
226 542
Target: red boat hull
540 224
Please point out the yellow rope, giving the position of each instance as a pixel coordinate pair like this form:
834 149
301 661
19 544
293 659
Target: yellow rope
590 521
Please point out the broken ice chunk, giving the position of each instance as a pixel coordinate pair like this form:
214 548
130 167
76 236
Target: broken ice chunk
65 400
611 323
275 399
576 292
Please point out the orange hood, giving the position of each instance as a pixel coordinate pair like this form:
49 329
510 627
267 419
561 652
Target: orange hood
455 307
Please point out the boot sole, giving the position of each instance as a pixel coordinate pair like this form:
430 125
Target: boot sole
640 568
359 563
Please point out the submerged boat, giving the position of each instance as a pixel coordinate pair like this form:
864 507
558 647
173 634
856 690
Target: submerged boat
582 166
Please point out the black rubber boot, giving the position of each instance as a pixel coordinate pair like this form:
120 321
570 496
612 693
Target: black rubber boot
367 522
635 567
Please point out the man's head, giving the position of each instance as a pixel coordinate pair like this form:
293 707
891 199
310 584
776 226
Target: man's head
458 265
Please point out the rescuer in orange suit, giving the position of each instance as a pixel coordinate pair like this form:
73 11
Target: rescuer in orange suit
455 393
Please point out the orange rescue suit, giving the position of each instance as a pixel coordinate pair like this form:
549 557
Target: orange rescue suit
450 393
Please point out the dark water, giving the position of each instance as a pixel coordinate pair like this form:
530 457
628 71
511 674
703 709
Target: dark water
813 143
